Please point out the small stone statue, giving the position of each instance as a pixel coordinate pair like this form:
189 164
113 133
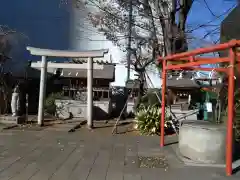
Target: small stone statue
15 102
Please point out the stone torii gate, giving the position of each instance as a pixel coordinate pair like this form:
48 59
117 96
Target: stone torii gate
44 53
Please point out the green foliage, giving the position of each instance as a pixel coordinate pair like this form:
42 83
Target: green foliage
224 114
151 98
148 119
50 106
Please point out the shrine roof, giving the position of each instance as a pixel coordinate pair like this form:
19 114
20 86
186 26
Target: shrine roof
107 73
181 83
185 82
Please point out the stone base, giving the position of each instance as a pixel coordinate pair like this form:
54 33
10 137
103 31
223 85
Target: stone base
189 162
202 142
12 120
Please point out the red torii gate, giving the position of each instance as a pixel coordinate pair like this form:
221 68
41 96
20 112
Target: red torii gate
193 63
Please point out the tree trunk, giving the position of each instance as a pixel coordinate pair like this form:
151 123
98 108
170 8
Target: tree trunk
141 90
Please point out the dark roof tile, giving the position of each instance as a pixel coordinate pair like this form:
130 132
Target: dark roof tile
182 83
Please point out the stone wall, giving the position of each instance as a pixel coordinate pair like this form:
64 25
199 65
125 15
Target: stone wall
78 109
203 142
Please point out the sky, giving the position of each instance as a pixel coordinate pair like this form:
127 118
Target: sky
202 12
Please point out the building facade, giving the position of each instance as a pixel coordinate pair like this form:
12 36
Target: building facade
56 25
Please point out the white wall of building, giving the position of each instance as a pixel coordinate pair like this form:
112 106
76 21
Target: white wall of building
48 24
85 37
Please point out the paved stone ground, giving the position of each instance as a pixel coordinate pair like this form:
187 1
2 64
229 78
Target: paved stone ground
84 155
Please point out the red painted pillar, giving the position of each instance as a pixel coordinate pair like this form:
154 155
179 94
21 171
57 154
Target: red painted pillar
229 143
164 78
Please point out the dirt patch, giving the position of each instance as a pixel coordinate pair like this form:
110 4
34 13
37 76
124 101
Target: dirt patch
153 162
123 128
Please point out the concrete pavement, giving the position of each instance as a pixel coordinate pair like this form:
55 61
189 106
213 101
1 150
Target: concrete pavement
84 155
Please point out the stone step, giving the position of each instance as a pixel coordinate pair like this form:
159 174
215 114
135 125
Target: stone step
66 127
12 120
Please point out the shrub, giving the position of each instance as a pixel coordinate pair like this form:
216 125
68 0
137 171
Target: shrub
148 120
50 106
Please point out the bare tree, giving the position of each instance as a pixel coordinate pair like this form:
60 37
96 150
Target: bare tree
5 46
158 28
6 35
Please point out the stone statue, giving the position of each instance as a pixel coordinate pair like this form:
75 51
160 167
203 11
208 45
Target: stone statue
15 102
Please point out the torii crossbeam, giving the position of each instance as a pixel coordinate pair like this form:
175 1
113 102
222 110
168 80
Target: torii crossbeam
193 63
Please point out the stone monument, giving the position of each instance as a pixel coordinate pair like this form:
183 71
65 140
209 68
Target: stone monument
203 142
15 101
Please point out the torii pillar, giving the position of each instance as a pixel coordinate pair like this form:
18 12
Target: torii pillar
44 53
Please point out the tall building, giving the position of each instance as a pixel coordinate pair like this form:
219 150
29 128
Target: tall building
230 28
55 25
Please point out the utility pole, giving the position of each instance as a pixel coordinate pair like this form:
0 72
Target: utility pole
129 46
